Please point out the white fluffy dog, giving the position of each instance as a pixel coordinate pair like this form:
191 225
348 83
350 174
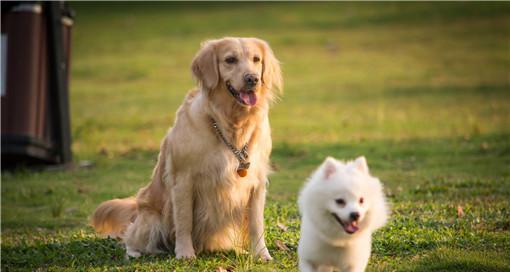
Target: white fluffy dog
341 206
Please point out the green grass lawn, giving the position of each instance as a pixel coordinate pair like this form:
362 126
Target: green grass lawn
422 90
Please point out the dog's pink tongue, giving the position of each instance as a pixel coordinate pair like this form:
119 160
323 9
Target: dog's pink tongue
351 227
249 98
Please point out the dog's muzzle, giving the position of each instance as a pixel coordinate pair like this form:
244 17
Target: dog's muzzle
244 97
350 227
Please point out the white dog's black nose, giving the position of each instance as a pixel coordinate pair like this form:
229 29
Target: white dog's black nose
251 80
354 216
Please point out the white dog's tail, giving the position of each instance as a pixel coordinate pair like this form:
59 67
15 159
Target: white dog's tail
112 217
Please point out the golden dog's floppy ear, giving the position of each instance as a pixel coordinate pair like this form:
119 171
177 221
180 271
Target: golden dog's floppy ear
205 66
271 72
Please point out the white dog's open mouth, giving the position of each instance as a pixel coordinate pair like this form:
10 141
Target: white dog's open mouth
244 97
350 228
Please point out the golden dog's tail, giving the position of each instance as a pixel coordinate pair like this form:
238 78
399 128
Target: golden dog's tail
112 217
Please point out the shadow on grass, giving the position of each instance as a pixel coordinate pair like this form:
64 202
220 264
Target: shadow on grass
462 260
108 254
456 265
80 253
86 253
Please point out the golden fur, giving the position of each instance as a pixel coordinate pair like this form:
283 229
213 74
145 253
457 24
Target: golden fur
196 201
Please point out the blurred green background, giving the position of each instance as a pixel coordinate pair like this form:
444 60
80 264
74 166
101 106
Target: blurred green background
420 89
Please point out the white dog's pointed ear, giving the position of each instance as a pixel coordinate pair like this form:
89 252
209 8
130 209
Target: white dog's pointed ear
205 66
361 164
329 167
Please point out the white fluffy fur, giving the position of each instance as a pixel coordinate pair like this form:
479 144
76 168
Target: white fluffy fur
324 243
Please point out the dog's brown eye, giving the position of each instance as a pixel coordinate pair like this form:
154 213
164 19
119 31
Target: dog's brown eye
361 200
340 201
231 60
256 59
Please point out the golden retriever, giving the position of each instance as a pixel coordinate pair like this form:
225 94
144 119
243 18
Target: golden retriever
203 196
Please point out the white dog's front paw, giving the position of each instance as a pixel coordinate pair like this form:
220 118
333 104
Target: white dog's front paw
185 253
264 255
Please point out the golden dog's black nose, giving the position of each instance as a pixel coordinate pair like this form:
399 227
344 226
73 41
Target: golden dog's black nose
251 80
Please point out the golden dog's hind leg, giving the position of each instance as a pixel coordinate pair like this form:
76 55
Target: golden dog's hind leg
147 235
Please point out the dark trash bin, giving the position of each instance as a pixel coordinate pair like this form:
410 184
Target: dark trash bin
36 45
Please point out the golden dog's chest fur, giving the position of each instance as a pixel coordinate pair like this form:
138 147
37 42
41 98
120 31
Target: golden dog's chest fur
221 216
196 200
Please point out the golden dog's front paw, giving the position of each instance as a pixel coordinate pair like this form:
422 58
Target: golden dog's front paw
264 255
185 254
184 249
